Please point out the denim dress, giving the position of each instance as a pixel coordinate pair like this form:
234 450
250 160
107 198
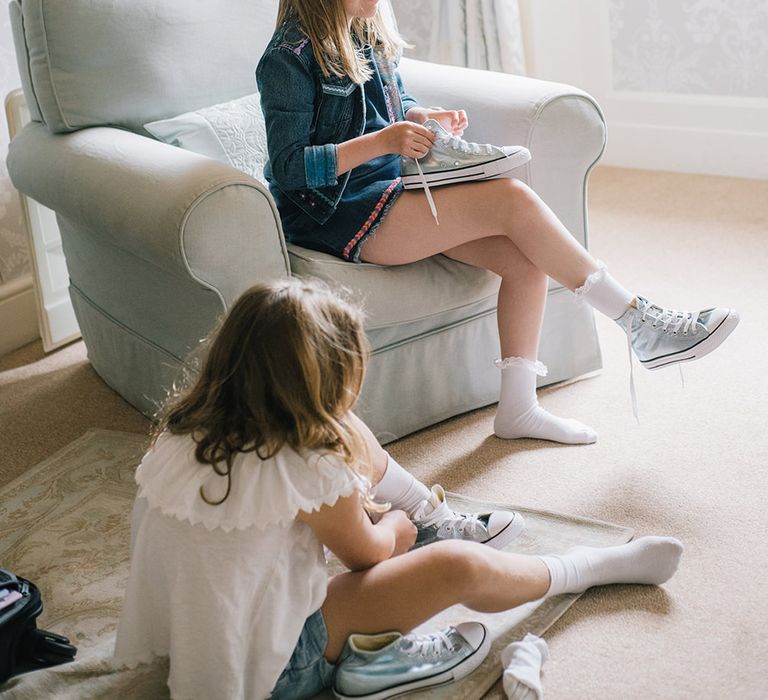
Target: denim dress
309 113
371 190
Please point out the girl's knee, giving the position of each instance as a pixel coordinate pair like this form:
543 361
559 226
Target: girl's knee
461 564
520 191
515 197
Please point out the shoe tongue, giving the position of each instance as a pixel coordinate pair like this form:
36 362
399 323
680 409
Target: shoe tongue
435 508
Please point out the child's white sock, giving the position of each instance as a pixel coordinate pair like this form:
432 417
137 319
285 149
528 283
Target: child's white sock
649 560
604 293
400 488
522 663
519 414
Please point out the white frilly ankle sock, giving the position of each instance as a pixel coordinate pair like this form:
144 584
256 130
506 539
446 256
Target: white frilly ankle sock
519 414
522 663
400 488
604 293
649 560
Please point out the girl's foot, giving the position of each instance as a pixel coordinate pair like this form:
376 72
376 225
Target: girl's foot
659 337
436 521
519 414
662 337
649 560
377 666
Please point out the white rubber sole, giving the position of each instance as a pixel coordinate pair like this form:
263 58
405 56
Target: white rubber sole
483 171
510 533
462 669
706 346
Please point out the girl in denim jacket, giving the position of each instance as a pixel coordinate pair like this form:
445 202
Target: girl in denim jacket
338 122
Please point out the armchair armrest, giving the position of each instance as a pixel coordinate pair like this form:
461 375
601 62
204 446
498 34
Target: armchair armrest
562 126
175 209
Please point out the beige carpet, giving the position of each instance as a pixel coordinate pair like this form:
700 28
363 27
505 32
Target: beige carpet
696 466
68 528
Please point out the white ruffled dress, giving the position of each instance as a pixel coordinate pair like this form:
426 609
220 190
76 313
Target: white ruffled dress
224 591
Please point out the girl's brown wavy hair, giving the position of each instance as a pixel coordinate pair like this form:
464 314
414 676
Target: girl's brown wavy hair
325 24
285 367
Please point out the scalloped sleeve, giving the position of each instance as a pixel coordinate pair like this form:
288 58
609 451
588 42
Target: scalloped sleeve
264 493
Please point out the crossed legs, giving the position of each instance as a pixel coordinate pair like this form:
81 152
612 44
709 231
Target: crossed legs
503 226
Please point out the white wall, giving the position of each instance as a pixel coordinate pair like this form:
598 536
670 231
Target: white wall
683 84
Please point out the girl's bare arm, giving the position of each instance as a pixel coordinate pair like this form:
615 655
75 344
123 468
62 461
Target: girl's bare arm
348 532
406 138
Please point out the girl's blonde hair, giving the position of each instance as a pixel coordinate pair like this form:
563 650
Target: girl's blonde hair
285 367
325 24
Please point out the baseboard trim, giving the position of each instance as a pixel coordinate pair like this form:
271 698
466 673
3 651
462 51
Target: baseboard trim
687 150
18 314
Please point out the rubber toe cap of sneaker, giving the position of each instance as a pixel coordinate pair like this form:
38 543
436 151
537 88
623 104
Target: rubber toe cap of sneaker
502 519
474 632
720 315
519 153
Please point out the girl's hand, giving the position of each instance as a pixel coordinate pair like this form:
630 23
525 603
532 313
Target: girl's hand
406 138
452 120
346 529
403 529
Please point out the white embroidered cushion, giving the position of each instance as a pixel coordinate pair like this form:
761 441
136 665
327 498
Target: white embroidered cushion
231 132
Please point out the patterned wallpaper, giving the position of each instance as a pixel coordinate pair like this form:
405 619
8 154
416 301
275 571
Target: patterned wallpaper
14 256
712 47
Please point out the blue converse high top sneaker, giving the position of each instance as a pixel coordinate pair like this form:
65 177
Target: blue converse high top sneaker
378 666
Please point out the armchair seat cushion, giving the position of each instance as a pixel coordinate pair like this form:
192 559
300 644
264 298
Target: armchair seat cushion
421 294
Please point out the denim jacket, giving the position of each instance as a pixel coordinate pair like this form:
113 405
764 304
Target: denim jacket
307 114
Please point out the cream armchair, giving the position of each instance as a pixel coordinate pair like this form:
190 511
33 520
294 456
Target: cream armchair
160 241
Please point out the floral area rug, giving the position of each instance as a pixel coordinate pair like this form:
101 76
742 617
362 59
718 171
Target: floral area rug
65 524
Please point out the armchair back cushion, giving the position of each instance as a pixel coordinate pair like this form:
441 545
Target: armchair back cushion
116 63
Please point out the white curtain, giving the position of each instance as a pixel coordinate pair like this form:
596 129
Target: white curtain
474 33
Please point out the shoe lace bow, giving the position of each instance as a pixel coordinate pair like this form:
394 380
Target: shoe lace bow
427 644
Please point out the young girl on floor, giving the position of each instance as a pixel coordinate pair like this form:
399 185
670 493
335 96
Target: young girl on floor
256 467
341 131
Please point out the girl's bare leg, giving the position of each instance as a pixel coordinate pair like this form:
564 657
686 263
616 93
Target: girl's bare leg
405 591
480 210
502 226
402 592
522 295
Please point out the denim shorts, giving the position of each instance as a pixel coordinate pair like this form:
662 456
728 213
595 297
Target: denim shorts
307 673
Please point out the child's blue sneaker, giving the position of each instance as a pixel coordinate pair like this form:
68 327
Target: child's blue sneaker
377 666
452 159
436 521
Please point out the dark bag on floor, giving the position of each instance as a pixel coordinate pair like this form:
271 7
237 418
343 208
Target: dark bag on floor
23 647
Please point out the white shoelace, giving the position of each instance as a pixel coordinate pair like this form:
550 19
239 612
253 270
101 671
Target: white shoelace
457 144
670 320
463 522
427 644
449 521
428 194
